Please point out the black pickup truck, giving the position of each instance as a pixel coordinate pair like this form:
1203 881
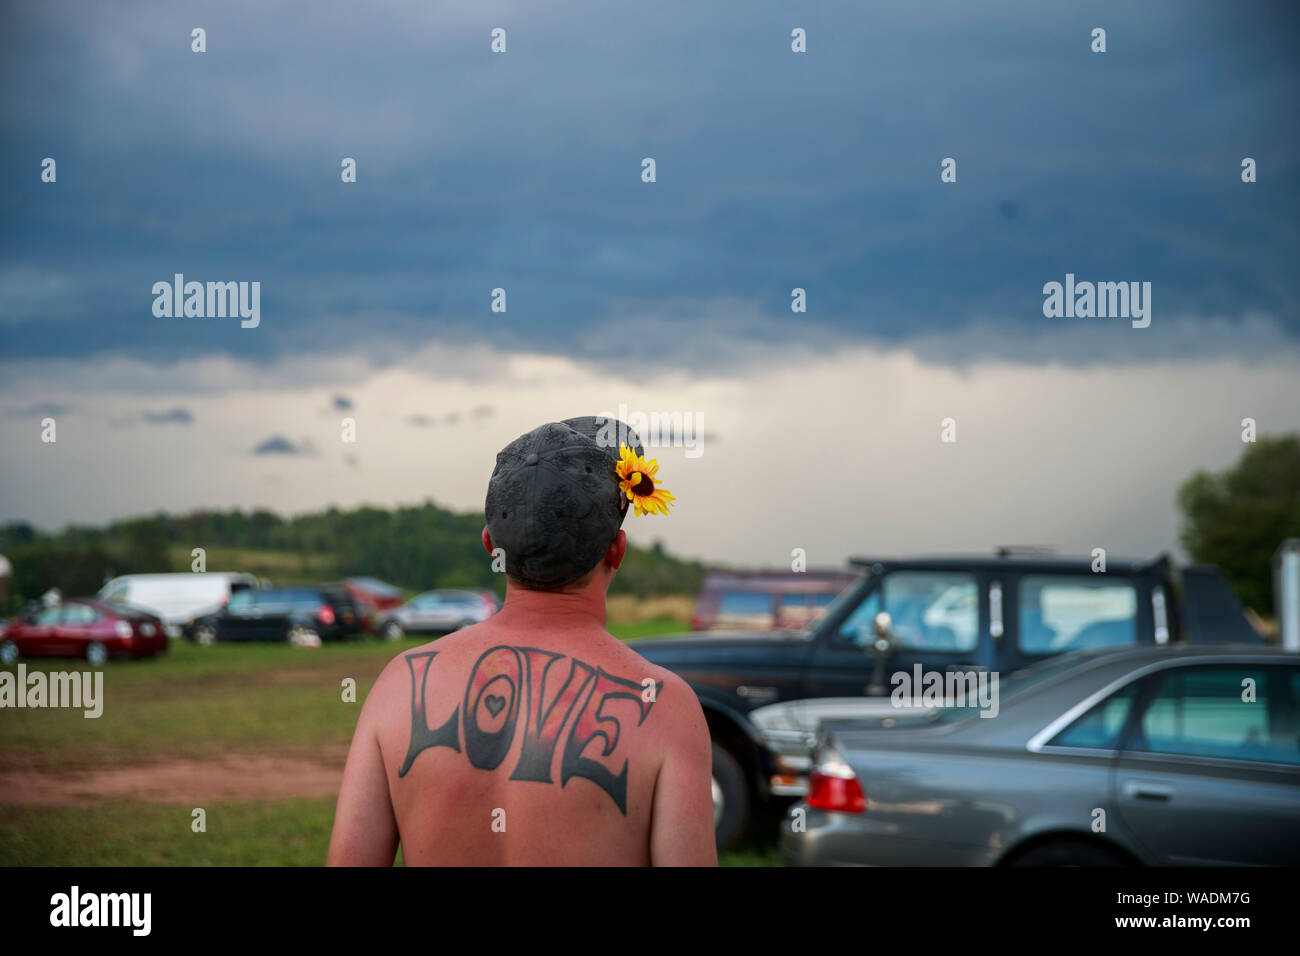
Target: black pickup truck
764 692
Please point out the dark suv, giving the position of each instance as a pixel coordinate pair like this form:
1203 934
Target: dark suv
764 693
299 614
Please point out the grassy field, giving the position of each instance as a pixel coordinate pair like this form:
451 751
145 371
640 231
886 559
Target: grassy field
195 704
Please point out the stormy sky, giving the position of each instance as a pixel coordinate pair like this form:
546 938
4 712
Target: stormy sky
775 170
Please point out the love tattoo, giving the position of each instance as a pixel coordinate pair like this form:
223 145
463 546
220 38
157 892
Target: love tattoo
547 689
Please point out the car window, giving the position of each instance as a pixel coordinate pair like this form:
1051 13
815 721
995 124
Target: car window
240 600
1072 613
48 616
812 601
1101 726
78 614
932 610
745 604
858 628
1235 712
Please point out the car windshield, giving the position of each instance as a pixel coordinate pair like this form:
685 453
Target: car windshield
1013 686
847 599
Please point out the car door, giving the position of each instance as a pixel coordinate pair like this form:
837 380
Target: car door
278 612
1209 773
39 635
73 632
420 613
938 619
240 617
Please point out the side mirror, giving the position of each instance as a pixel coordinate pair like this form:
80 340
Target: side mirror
884 625
884 643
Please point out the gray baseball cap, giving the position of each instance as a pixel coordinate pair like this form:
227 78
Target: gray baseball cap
553 502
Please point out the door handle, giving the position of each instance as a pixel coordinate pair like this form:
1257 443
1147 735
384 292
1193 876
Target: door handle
1144 790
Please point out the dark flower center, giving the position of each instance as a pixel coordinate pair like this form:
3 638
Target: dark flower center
644 487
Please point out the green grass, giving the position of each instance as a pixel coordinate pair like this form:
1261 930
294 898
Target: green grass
197 702
652 628
126 833
200 702
204 701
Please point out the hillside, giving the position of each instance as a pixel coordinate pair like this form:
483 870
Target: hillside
415 548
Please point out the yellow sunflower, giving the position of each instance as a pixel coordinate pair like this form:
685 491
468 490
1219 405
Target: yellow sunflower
636 479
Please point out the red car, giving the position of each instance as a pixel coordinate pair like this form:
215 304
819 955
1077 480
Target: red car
372 598
83 627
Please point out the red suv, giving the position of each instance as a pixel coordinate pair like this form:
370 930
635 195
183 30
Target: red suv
83 627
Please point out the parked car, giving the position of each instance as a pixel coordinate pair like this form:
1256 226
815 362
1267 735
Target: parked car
1183 756
83 627
763 692
303 615
765 600
438 612
177 598
373 598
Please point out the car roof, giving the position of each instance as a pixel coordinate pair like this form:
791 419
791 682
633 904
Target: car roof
1016 561
1026 714
169 576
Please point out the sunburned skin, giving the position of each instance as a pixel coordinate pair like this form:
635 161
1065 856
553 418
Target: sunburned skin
534 694
533 738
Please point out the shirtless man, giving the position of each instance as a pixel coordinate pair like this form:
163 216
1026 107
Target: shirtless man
535 737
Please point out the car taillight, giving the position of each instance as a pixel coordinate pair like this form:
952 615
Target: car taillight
832 784
123 628
325 614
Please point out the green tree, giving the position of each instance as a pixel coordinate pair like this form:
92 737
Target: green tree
1236 518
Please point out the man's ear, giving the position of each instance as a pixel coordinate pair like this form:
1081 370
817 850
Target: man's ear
487 540
616 551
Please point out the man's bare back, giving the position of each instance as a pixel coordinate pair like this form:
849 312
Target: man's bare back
522 742
536 737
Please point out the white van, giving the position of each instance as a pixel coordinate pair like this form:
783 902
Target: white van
177 598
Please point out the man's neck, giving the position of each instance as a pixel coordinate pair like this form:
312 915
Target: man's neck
572 607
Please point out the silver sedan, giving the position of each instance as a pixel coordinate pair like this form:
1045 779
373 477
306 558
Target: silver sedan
437 612
1158 756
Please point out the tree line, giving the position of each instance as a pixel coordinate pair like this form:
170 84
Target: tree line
414 547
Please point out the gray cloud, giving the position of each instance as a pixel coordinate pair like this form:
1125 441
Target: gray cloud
279 445
171 416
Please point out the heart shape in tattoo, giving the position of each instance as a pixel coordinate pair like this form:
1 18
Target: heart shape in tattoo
494 704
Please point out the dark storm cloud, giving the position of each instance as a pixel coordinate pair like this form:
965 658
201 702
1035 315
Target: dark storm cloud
170 416
279 445
522 171
41 410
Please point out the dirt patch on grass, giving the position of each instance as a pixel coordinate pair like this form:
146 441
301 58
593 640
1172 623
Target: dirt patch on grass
193 783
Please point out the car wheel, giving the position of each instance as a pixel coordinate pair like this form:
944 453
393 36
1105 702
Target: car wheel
96 654
205 634
730 799
394 631
1069 853
8 652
